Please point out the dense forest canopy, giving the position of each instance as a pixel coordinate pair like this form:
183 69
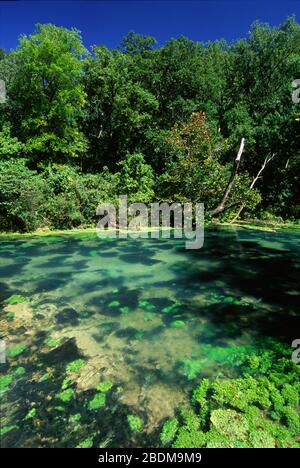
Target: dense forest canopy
159 123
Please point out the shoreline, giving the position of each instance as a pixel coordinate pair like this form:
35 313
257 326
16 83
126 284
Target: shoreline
258 225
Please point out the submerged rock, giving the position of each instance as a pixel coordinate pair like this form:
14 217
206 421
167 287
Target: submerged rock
68 316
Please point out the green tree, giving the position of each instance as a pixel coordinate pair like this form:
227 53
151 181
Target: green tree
46 94
136 179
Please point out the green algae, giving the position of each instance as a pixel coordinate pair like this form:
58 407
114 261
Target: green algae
74 418
174 308
169 430
189 439
192 368
113 304
52 342
146 305
4 430
97 402
86 443
15 299
75 366
66 383
261 439
31 414
5 381
135 423
177 324
66 395
149 315
44 377
16 350
105 386
20 371
230 423
233 355
10 315
238 412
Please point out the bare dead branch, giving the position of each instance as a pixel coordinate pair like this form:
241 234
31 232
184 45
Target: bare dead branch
221 206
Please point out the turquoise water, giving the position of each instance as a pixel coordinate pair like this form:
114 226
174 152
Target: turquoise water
146 316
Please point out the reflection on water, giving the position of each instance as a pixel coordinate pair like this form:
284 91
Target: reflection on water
144 315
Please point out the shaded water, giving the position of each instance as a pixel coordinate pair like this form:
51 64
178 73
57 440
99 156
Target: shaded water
146 315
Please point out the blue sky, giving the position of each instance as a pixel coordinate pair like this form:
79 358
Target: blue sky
106 22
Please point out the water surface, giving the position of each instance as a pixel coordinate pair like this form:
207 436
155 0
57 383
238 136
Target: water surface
146 315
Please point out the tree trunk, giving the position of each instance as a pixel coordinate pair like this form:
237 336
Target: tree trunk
221 206
256 178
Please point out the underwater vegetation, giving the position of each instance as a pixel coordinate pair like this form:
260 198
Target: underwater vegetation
192 367
97 401
258 409
135 422
14 351
15 299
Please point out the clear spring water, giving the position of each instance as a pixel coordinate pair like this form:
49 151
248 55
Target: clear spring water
144 314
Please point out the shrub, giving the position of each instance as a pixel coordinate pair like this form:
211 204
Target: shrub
22 196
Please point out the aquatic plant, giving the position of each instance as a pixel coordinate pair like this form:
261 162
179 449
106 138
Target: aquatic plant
233 355
94 253
124 310
189 439
66 383
5 381
52 342
74 418
192 367
98 401
149 315
189 418
15 299
240 393
200 396
86 443
5 429
169 430
139 335
10 315
113 304
31 413
16 350
66 395
230 423
104 386
61 409
135 422
216 440
261 439
177 324
238 412
146 305
20 371
171 308
44 377
75 366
